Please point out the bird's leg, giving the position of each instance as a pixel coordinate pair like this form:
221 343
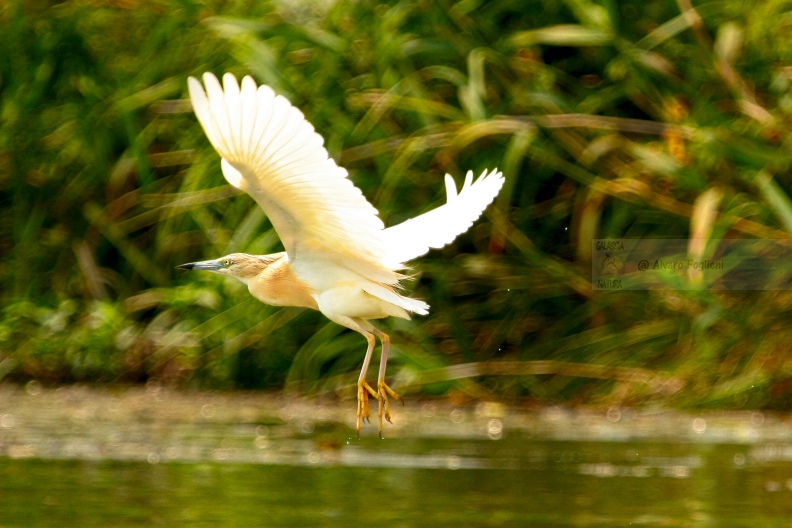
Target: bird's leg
362 327
382 388
364 389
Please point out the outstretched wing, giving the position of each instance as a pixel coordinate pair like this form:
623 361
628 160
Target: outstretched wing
440 226
271 152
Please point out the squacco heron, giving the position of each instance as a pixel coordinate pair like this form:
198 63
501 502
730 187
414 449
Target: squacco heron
339 259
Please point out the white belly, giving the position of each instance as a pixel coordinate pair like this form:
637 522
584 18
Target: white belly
351 301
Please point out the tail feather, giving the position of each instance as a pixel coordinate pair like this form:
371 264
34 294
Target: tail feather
388 295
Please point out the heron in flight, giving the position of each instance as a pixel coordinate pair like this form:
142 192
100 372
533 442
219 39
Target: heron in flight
339 259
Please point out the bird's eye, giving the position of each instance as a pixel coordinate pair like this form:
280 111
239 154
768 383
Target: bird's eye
226 262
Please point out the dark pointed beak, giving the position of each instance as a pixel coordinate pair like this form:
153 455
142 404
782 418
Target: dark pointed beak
206 265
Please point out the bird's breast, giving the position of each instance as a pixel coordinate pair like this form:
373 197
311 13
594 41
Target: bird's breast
279 286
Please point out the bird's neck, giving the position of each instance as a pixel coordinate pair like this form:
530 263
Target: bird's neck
255 265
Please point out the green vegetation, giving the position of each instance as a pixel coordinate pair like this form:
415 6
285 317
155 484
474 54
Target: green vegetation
609 119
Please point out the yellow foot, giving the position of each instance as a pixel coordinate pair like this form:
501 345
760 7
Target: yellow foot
363 412
384 408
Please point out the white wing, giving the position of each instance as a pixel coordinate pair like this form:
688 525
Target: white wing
271 152
440 226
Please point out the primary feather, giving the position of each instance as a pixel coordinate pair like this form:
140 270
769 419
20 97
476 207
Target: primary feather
439 227
271 152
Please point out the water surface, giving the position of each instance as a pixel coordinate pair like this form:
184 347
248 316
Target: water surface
152 457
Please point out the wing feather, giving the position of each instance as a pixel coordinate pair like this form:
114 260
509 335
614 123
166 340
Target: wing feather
271 152
440 226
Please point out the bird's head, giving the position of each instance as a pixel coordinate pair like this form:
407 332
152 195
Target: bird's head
238 265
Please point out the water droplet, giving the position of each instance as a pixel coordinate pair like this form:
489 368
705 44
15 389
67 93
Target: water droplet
7 421
33 388
495 429
699 425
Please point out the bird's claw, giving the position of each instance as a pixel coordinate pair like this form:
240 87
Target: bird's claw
384 407
382 395
363 409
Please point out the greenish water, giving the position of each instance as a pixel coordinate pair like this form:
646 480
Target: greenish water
539 484
81 457
552 484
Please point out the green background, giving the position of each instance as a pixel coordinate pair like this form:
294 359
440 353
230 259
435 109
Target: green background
609 119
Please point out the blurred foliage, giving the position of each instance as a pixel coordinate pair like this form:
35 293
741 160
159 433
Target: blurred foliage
609 119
